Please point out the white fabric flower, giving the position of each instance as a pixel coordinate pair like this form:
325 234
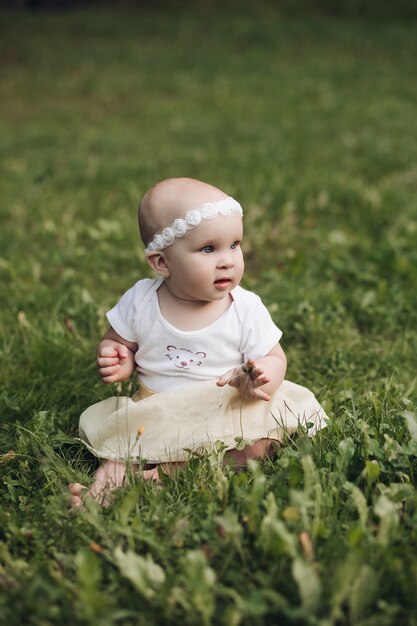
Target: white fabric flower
179 227
208 211
228 206
168 235
158 241
193 218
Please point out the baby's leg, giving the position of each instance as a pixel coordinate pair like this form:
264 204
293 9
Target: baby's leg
111 475
107 478
260 449
169 469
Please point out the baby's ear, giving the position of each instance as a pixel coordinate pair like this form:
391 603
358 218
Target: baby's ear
159 264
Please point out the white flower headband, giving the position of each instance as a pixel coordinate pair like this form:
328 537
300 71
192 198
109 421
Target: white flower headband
207 211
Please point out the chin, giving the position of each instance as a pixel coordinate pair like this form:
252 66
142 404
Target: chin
222 296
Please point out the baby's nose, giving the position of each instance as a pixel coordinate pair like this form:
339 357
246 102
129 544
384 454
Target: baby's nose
226 260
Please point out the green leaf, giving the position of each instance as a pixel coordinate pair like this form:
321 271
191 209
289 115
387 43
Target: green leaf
411 421
363 592
274 536
241 443
145 575
308 582
372 471
359 501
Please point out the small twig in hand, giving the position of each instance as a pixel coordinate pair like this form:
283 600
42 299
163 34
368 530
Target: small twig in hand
251 371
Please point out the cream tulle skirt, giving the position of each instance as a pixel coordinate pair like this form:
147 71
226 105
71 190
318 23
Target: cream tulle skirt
169 426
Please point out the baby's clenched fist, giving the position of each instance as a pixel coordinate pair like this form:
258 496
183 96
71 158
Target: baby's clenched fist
115 361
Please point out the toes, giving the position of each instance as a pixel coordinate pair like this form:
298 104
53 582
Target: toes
75 502
76 489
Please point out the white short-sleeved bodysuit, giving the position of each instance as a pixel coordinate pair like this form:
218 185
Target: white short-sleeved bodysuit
168 358
188 411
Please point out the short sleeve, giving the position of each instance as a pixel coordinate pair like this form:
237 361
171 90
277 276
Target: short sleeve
122 316
125 316
259 334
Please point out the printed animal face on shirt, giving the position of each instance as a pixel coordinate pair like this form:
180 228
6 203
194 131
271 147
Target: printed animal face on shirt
183 358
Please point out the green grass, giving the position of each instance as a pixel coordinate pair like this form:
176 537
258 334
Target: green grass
312 126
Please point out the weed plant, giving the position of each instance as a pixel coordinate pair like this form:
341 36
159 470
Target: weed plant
312 125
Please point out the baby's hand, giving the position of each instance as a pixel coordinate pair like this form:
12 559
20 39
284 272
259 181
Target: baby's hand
115 361
247 379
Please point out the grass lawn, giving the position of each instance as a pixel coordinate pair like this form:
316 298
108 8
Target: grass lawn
312 126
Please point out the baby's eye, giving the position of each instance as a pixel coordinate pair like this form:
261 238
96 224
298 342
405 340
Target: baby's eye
235 245
207 249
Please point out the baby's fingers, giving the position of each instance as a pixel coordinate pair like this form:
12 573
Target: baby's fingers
110 374
260 395
122 352
249 368
107 361
260 379
226 378
107 352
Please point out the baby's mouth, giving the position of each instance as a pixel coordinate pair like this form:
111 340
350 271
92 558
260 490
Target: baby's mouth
222 282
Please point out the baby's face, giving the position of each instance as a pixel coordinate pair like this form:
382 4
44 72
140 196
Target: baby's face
207 263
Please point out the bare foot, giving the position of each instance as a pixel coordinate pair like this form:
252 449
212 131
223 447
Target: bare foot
151 474
75 490
260 449
109 476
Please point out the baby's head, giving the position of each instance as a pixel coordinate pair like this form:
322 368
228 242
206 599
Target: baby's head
171 199
182 217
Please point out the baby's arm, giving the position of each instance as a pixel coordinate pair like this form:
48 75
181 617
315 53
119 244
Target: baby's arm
115 357
258 379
